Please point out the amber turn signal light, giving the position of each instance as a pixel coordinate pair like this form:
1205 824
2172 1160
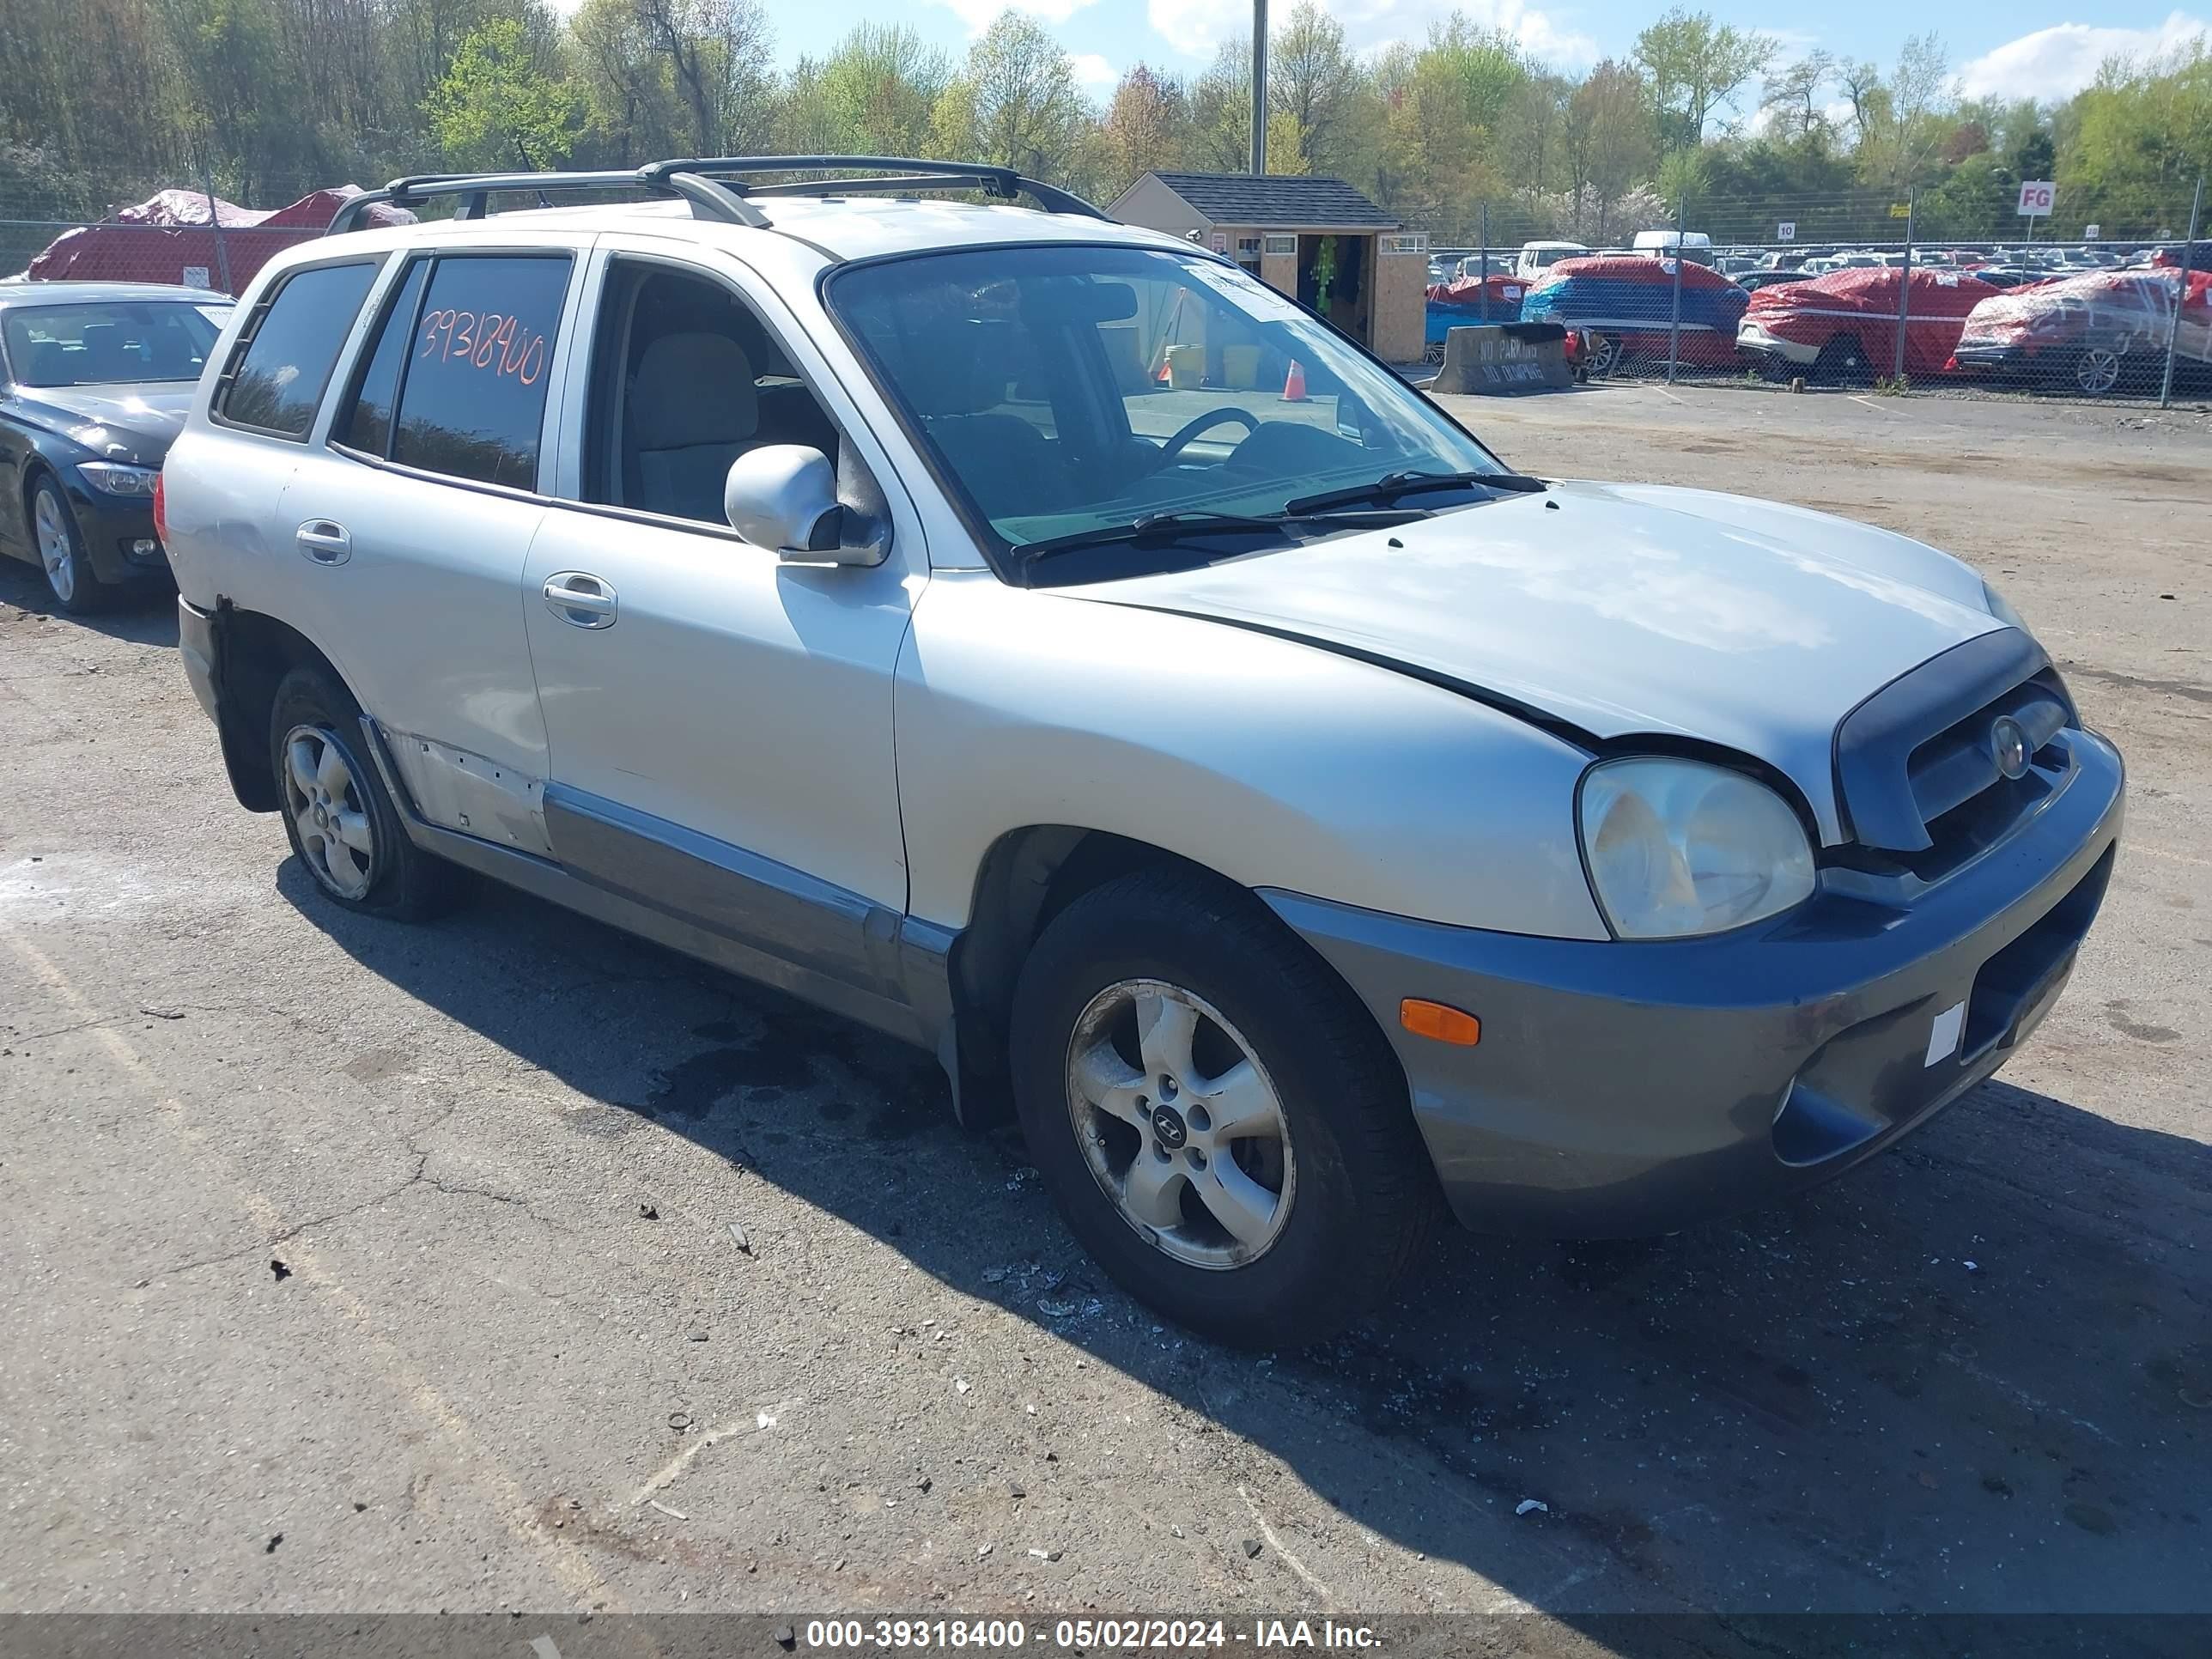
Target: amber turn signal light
1441 1021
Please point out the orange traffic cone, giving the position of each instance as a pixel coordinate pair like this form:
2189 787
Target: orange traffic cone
1162 378
1294 384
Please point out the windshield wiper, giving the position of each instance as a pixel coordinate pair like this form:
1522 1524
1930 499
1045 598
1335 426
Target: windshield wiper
1391 485
1180 525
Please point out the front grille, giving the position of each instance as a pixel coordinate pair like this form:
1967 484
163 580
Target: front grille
1916 766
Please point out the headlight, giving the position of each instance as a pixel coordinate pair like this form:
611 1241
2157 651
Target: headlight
1677 847
2003 612
118 479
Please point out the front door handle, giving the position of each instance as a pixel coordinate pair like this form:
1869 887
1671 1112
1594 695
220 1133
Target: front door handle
580 599
325 540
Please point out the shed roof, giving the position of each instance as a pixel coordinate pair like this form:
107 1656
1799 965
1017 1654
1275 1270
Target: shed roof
1285 199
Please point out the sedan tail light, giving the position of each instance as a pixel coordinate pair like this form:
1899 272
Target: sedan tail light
160 511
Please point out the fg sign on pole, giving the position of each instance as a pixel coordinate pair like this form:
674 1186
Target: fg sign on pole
1786 231
2036 196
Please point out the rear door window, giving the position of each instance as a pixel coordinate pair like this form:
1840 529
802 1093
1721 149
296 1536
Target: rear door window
276 375
471 391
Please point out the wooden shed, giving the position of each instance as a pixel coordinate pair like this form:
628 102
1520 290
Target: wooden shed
1316 238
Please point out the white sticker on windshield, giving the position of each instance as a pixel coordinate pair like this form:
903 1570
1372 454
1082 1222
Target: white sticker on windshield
1250 295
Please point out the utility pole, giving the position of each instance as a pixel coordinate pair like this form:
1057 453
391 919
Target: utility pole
1904 285
1259 87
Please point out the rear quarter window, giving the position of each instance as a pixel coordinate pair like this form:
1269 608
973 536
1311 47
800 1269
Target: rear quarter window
276 377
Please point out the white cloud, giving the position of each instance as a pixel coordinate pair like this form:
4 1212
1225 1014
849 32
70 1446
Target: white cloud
980 14
2057 62
1197 26
1091 70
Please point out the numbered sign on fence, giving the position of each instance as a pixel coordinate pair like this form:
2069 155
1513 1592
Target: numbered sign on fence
1786 231
2036 196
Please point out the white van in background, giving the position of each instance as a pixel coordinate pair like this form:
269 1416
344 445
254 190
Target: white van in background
1692 244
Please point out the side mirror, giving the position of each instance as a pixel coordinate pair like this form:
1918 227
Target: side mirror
784 496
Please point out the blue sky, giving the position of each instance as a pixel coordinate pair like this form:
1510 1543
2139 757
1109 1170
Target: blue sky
2039 48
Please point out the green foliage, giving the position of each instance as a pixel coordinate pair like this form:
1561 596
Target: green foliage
1696 65
109 99
1015 102
497 106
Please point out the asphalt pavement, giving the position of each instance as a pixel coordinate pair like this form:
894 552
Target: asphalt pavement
510 1263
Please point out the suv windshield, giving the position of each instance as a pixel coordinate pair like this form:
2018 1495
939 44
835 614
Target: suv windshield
1069 390
108 341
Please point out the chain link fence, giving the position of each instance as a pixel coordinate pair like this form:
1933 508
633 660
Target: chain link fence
2087 298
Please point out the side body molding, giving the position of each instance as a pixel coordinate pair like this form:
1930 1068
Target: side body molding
720 903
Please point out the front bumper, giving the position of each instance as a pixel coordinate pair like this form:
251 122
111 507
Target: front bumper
1755 342
1626 1088
118 534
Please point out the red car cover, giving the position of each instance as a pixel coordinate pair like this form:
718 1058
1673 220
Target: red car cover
1504 289
1861 303
2131 310
168 237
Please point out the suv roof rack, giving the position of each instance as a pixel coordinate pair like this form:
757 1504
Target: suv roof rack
715 185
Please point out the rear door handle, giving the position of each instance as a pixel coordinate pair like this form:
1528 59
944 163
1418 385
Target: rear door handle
325 541
580 599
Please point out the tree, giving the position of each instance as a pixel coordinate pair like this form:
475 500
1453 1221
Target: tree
1220 134
1317 86
1607 143
879 90
1794 96
497 107
1904 119
1147 127
1015 102
717 53
1697 65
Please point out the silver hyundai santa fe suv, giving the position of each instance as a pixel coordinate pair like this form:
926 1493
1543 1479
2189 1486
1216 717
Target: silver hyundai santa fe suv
1310 823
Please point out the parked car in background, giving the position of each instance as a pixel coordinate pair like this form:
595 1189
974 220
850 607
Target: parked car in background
1767 276
1536 258
1693 245
1627 304
2097 332
1842 328
94 381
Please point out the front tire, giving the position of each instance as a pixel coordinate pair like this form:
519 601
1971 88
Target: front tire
1841 363
1218 1118
341 822
77 588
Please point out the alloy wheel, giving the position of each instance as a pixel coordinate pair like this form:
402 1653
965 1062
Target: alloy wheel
337 838
2098 369
1181 1125
1605 354
57 554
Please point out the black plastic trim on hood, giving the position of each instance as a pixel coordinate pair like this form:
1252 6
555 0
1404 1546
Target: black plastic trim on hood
1528 713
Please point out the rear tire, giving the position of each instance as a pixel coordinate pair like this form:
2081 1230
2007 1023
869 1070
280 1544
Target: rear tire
59 544
1179 1057
341 822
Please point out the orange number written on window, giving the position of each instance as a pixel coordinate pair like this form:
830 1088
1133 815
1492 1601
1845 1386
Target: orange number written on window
488 341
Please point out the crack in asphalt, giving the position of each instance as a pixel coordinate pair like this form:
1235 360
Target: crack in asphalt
420 1177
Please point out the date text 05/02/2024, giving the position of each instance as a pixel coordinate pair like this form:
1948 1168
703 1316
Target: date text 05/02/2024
1089 1635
